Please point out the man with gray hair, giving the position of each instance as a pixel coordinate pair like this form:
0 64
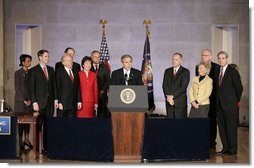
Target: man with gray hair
67 82
175 83
206 58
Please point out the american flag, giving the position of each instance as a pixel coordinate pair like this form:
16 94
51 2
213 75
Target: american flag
147 74
104 52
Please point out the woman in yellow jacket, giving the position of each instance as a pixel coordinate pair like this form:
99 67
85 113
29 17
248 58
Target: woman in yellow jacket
200 90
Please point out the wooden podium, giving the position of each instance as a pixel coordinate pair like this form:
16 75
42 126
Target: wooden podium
128 105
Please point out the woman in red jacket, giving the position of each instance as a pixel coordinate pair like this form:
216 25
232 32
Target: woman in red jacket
89 90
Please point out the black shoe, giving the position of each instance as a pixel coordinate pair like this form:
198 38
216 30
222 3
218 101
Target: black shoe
44 152
22 147
223 152
212 147
29 145
232 152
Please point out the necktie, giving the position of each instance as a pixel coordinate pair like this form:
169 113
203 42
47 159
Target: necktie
174 73
126 79
71 76
45 72
96 68
221 75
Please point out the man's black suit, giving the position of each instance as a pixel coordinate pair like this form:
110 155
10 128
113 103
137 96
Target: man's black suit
176 86
228 95
75 66
43 92
212 114
68 92
118 77
103 77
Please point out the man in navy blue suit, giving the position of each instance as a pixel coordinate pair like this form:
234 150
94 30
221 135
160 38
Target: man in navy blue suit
42 91
68 90
175 83
126 75
229 91
206 58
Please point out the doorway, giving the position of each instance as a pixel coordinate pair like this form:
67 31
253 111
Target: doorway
28 41
226 37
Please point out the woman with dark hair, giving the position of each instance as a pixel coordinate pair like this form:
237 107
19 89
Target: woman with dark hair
89 90
22 102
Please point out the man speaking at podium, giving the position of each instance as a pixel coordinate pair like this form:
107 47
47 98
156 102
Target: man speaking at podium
126 75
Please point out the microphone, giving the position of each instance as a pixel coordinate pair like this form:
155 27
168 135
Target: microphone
7 107
126 77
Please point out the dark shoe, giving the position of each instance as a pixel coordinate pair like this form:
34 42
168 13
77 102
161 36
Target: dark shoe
232 152
22 147
223 152
44 152
212 147
29 145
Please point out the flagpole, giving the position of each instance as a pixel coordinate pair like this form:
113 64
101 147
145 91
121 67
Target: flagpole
103 22
147 74
147 23
104 47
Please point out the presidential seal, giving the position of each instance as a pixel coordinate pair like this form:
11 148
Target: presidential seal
128 96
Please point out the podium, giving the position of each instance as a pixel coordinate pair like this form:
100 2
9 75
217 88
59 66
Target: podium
127 105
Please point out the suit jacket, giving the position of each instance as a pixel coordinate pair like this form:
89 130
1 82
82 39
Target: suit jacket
41 89
201 91
75 66
230 90
21 93
212 97
68 91
117 77
177 85
88 87
103 77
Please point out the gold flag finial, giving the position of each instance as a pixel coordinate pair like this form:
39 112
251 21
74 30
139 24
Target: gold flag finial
103 22
147 23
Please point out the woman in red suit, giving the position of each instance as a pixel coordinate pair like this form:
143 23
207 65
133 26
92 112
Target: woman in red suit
89 90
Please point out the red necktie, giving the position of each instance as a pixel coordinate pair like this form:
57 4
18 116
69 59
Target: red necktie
70 74
45 72
221 76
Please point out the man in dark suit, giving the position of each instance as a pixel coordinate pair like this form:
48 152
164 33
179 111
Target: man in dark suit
126 75
229 92
68 90
175 83
206 58
70 51
42 90
103 77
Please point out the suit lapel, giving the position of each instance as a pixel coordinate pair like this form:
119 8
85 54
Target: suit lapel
41 72
123 77
171 72
178 72
203 81
225 75
67 75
